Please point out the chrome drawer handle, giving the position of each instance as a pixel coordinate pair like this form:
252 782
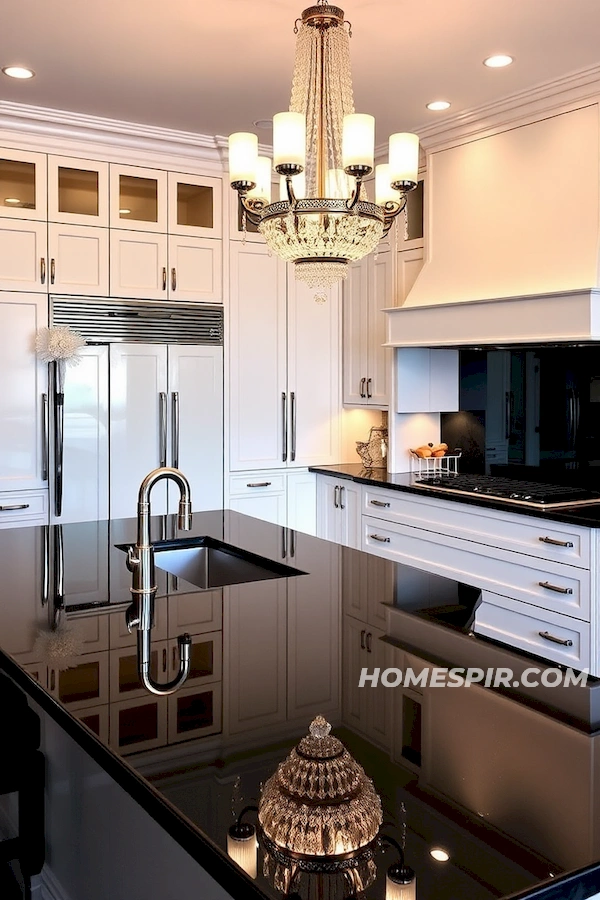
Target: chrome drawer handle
258 484
555 640
378 537
380 503
555 588
16 506
549 540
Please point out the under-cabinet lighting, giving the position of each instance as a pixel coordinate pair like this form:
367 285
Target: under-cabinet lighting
498 62
18 71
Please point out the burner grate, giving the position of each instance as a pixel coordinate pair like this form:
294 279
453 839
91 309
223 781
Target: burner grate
530 493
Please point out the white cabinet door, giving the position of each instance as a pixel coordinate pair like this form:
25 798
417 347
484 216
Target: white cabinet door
267 505
77 191
195 205
254 672
355 327
138 423
195 381
138 265
23 256
257 374
313 374
78 260
85 449
195 266
302 501
314 635
328 509
24 383
138 198
23 184
381 293
350 514
354 657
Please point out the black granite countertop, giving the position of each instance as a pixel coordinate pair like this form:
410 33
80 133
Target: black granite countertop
504 780
588 516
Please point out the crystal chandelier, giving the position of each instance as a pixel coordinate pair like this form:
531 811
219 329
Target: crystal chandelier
322 151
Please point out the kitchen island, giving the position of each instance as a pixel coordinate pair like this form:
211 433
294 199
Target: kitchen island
504 780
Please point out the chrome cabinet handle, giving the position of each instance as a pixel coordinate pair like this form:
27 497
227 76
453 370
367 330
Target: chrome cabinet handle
368 641
336 496
555 588
283 542
549 540
380 503
284 425
378 537
362 387
253 484
555 640
173 279
369 394
342 504
293 543
175 428
42 270
44 437
362 639
14 506
162 428
59 426
46 565
164 278
164 659
507 424
293 396
52 270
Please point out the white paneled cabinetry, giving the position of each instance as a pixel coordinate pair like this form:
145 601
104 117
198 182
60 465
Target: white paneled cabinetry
338 511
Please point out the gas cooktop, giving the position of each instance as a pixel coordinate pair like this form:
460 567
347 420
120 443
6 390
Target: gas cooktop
509 490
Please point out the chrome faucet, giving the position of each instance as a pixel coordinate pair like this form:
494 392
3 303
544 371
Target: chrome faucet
140 562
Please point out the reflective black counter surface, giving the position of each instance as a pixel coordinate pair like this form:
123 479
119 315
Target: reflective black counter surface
506 782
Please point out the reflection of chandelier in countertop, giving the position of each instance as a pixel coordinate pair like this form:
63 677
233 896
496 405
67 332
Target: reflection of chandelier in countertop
320 816
322 151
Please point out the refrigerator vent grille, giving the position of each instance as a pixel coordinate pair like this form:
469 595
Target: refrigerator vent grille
111 321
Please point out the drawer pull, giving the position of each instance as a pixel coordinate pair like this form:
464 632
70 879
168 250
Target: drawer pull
258 484
15 506
378 537
555 640
549 540
555 588
380 503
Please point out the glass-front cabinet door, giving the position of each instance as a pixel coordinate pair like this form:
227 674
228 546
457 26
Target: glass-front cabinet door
195 205
77 191
138 198
22 184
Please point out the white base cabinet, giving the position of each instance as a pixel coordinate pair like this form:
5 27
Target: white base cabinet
338 511
284 498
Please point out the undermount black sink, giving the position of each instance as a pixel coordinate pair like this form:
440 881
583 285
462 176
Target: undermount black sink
209 563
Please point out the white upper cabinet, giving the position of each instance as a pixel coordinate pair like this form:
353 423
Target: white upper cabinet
77 191
23 257
23 399
138 265
195 205
22 185
195 269
258 369
78 260
138 198
413 235
367 363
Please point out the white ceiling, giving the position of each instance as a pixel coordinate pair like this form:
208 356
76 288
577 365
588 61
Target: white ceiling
214 66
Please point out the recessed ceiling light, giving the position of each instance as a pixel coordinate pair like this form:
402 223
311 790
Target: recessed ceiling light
263 123
438 105
18 72
439 854
498 61
13 201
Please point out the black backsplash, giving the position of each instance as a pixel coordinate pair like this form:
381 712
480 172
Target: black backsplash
466 430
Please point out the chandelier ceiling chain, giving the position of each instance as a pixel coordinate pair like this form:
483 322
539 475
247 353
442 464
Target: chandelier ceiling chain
322 151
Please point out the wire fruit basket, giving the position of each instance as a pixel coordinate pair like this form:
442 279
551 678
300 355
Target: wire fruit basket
435 465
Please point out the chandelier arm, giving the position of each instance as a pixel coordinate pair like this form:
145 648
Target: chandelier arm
252 208
290 191
392 209
356 193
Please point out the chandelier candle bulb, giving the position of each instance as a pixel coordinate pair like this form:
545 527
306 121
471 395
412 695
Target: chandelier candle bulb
400 890
384 192
243 157
404 158
242 848
289 141
358 142
262 191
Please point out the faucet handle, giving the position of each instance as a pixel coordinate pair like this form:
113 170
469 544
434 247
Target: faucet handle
184 518
133 559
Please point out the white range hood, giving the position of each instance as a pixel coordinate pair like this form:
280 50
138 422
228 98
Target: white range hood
513 238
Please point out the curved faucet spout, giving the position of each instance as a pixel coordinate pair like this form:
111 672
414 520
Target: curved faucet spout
144 655
184 519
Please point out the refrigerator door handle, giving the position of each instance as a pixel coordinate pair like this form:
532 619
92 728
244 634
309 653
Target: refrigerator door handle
59 425
162 427
175 429
293 397
44 437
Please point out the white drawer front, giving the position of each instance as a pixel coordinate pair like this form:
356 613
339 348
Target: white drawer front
555 586
20 508
256 483
549 635
538 537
